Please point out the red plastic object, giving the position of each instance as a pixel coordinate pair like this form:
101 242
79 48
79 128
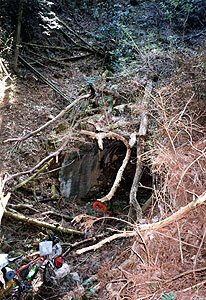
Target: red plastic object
99 206
58 261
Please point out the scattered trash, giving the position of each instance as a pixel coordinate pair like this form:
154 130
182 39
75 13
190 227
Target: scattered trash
99 206
75 276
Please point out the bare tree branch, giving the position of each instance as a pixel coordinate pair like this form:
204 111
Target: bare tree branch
37 223
112 135
148 228
135 209
61 114
107 240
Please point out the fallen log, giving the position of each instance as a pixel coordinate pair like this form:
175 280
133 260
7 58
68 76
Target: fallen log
37 223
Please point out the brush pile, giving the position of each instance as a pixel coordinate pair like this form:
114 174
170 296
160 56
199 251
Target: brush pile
170 261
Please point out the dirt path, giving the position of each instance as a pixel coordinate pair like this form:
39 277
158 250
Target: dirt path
23 108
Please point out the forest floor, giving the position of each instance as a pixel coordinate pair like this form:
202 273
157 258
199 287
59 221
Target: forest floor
25 106
120 269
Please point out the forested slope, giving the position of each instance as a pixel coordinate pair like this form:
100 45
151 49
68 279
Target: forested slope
103 114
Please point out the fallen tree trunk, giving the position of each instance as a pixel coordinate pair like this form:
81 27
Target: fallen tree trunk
37 223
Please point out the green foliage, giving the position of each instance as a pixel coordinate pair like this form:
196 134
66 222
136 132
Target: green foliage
89 290
180 12
113 34
169 296
32 17
178 8
87 6
90 80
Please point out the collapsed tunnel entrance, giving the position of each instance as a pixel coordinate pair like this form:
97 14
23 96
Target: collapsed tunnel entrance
91 173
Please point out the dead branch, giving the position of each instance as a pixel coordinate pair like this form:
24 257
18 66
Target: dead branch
147 203
184 273
177 240
185 171
73 41
3 199
86 241
135 209
61 61
195 286
107 240
116 219
54 154
76 57
51 212
19 185
43 79
79 37
138 255
148 228
175 216
46 46
61 114
198 251
4 70
22 206
112 135
180 242
37 223
191 36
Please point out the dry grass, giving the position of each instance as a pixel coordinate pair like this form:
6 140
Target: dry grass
181 114
177 253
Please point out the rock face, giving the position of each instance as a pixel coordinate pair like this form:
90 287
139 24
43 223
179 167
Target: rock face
80 171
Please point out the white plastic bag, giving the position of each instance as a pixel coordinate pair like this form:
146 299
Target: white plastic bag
3 260
45 248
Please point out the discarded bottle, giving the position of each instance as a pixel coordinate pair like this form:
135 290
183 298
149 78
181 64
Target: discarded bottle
31 273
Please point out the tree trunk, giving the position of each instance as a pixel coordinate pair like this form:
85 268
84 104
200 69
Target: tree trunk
18 33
